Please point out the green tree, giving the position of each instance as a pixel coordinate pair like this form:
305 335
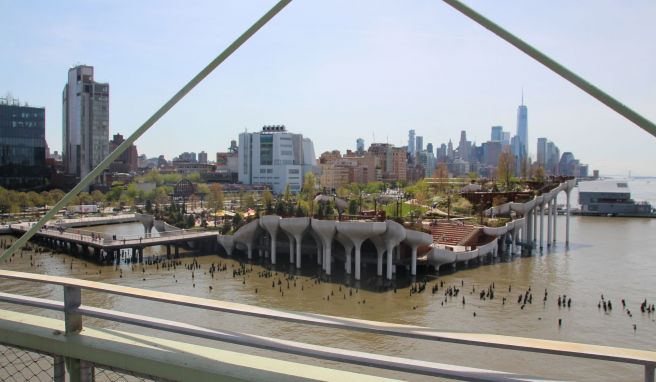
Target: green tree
353 207
97 196
237 221
374 187
84 198
442 174
267 197
539 174
280 208
310 184
249 201
35 199
506 166
54 196
216 197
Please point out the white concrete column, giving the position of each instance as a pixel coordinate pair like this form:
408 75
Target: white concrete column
249 248
528 218
357 261
397 257
555 218
319 254
535 223
549 222
567 220
390 261
298 252
527 225
347 265
327 257
413 261
273 250
291 250
379 263
414 239
541 224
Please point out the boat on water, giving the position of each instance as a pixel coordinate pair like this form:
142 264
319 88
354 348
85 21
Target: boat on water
610 198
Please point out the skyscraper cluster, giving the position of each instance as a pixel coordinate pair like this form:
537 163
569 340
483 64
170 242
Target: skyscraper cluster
467 157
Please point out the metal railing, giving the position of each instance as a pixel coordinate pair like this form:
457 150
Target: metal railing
99 238
74 310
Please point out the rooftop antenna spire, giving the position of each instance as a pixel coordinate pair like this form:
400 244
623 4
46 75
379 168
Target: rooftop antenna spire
522 96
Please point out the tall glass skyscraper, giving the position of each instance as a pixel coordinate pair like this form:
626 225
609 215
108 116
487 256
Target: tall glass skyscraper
411 143
22 145
359 145
497 134
522 131
85 121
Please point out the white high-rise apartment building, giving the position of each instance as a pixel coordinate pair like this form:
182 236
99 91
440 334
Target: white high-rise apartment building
85 121
275 157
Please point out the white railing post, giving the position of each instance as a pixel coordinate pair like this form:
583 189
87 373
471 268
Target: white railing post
78 370
649 373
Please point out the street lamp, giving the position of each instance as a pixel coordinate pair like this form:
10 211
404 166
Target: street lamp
448 205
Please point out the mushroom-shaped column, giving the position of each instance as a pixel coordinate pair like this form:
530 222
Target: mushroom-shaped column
246 235
148 222
394 235
326 231
379 243
319 244
227 242
549 221
554 212
271 223
570 185
414 239
296 227
358 232
348 249
290 237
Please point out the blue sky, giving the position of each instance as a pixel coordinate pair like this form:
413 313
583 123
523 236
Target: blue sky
338 70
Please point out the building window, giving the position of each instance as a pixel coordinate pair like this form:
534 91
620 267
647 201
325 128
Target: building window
266 150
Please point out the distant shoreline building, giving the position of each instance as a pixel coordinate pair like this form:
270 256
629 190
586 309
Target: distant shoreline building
128 161
85 121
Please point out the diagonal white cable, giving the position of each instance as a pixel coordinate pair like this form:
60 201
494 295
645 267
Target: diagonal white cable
146 125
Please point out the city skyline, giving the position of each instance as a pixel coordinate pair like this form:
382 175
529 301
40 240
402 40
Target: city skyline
422 67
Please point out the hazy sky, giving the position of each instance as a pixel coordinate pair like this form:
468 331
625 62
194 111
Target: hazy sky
338 70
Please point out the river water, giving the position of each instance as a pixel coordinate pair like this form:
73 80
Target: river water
609 256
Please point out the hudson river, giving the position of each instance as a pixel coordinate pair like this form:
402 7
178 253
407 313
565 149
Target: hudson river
613 257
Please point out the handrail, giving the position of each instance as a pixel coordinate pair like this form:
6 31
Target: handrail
291 347
633 356
104 239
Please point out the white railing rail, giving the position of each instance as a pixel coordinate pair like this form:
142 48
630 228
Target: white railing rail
74 311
